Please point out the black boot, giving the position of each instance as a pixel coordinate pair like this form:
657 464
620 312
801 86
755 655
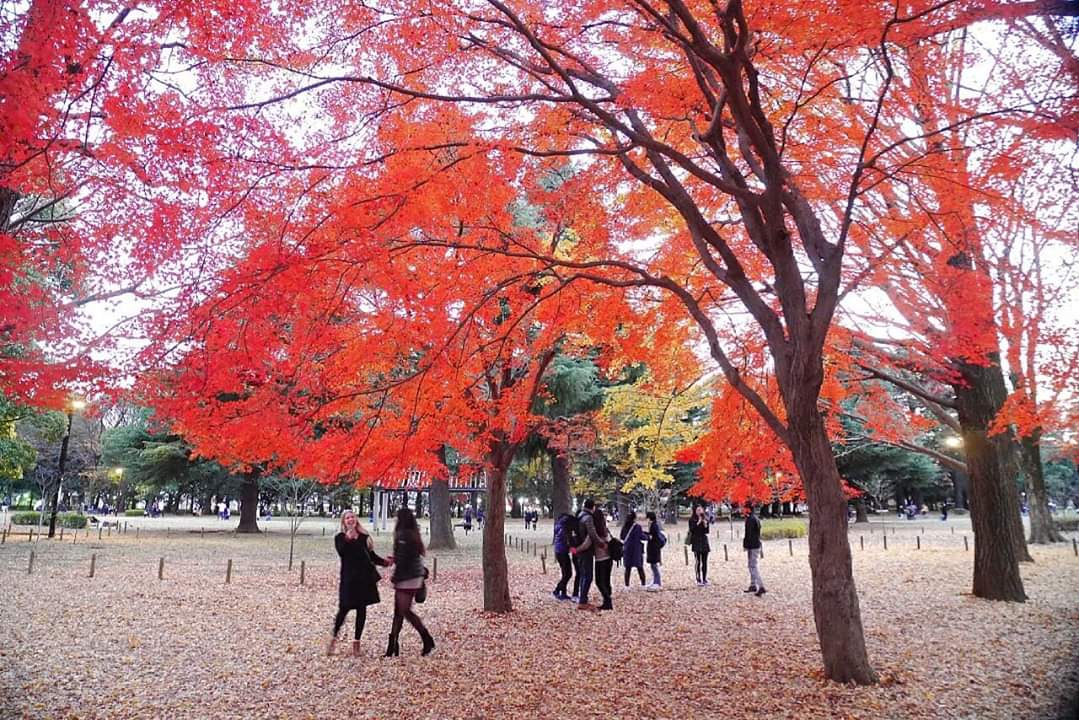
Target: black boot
428 642
392 648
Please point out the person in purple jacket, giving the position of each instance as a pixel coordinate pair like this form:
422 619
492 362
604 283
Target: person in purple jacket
633 539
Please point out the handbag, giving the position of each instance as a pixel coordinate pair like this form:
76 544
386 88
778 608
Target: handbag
421 594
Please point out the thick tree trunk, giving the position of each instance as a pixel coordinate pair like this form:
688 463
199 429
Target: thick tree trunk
835 600
1042 529
496 587
560 494
441 523
994 507
860 514
249 503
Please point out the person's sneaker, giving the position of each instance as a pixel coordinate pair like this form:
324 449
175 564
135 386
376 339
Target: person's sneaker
705 583
751 589
557 595
586 606
654 588
761 592
574 599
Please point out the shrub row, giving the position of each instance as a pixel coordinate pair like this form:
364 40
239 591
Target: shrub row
134 513
64 519
779 529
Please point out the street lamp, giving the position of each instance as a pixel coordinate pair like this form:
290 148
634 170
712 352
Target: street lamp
74 405
953 441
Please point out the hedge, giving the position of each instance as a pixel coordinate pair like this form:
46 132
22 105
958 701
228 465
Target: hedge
779 529
64 519
134 513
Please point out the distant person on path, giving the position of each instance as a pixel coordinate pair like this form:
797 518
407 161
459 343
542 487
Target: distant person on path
586 553
944 512
751 541
565 537
358 587
633 539
479 518
408 578
468 520
698 541
654 555
604 562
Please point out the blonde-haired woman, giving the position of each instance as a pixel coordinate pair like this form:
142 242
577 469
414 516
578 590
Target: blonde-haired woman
359 577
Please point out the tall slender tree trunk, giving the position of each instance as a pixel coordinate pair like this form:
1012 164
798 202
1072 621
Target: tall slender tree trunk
249 502
496 587
994 507
835 601
1042 528
441 523
561 502
860 513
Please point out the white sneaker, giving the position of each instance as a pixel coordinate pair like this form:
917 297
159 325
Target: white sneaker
653 587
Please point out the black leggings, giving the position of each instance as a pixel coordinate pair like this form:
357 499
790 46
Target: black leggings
603 578
701 565
640 572
402 610
361 620
566 567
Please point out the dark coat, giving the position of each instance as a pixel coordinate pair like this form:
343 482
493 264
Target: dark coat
407 558
359 577
633 549
698 535
655 552
751 539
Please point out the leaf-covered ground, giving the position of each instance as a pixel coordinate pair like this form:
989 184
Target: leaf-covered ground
125 645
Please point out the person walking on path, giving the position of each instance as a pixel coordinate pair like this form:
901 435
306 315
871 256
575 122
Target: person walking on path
654 553
408 578
358 587
565 537
633 538
604 562
698 541
751 541
585 552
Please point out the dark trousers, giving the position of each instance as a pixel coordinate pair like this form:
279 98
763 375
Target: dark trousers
603 579
585 570
566 566
576 575
640 571
361 620
701 565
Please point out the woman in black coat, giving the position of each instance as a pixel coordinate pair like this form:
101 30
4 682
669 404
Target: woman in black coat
408 579
698 541
359 577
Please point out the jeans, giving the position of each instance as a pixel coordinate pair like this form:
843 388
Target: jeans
754 572
585 570
361 620
701 566
656 579
640 572
567 571
603 579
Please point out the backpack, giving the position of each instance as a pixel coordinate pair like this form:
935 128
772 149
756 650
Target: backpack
662 539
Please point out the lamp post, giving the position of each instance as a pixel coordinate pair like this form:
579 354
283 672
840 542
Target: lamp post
72 407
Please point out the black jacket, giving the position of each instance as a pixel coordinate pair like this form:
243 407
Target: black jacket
407 559
751 539
359 577
698 535
654 552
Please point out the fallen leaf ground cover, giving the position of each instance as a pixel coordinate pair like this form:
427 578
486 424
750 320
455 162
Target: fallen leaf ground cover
124 644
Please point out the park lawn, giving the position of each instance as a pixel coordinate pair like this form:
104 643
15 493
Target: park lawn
126 645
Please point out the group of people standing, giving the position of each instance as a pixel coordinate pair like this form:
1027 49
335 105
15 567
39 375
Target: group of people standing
585 550
358 586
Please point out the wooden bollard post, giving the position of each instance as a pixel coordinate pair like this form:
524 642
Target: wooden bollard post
543 563
434 569
861 541
953 529
685 552
109 534
136 532
228 572
923 529
1075 548
202 533
790 546
30 565
61 532
99 529
168 531
303 570
93 563
3 536
161 568
725 552
886 542
965 545
30 537
323 531
75 536
125 527
533 549
919 539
